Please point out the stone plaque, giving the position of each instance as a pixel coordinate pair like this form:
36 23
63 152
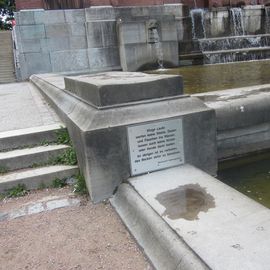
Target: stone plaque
155 146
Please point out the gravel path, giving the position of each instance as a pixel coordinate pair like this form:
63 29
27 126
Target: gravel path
79 237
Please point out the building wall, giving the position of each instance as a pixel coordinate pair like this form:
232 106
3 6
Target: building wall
75 40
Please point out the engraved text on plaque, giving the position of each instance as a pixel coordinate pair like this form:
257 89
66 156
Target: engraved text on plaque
155 146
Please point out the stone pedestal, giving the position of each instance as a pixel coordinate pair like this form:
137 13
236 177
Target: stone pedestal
125 124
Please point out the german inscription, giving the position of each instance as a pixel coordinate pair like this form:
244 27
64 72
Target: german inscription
155 146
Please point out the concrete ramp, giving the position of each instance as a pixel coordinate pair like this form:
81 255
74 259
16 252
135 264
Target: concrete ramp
215 226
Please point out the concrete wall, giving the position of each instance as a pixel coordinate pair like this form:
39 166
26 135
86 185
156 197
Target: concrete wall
78 40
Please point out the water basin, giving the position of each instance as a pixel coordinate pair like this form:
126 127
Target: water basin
206 78
249 175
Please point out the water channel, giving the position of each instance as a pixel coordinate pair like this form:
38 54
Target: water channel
249 175
205 78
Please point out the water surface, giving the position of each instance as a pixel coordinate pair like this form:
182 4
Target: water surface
251 176
206 78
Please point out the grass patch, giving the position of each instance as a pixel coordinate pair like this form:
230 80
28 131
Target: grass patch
67 158
63 136
17 191
80 185
58 183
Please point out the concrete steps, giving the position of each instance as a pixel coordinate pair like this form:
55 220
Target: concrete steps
24 160
22 138
7 70
35 178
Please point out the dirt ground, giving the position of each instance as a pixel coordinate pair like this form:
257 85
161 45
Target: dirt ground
75 238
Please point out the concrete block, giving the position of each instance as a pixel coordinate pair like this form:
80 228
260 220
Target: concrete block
174 9
101 34
133 32
25 17
56 30
54 17
57 43
146 52
102 132
69 60
30 17
102 58
114 88
32 31
75 15
168 30
29 46
77 43
77 29
99 13
37 63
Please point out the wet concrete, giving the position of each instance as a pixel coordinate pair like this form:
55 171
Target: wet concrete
186 202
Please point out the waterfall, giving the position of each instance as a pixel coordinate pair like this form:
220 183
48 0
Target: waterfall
267 20
236 48
197 19
237 21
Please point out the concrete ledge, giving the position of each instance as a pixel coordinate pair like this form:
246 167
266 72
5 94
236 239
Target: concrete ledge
160 243
243 117
34 178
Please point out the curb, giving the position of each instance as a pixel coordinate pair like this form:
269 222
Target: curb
160 243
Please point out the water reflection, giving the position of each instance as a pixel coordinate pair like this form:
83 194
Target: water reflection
205 78
185 202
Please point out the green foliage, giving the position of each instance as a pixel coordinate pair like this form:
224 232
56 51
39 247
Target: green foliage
58 183
17 191
63 136
67 158
7 7
3 169
80 185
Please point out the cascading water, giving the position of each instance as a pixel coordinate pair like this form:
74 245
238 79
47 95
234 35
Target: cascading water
267 19
233 49
197 19
237 21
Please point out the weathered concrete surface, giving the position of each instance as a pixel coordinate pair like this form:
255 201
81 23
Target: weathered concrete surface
243 117
100 136
22 106
84 40
112 88
226 229
165 249
36 178
24 158
141 47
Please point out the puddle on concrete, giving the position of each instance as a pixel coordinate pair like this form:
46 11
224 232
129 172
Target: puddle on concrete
186 202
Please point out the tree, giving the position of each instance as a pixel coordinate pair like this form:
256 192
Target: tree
7 8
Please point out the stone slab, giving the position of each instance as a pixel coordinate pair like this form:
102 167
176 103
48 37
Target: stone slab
113 88
226 229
